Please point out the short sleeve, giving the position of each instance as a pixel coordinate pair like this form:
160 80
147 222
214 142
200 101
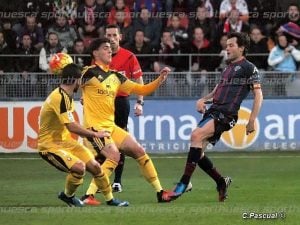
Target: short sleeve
254 79
136 68
63 109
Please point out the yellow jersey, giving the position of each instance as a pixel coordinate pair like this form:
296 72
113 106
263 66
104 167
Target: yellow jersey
56 111
99 89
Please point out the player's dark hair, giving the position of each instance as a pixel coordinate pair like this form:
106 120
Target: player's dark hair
96 44
243 40
112 26
70 73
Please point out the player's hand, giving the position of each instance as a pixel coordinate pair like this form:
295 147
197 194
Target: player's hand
250 127
81 100
138 109
164 74
102 133
200 106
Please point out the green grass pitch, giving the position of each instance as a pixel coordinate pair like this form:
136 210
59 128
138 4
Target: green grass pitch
263 182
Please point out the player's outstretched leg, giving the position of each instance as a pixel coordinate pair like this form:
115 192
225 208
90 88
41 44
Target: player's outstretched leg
191 162
149 172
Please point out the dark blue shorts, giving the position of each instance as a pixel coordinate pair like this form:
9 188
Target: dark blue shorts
222 123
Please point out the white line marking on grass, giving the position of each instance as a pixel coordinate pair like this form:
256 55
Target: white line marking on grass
183 157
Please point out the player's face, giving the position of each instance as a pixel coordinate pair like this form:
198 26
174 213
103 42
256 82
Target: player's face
103 53
114 37
234 52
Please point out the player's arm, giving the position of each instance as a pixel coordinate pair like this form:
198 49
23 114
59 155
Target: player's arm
64 108
201 103
133 87
258 98
76 128
138 107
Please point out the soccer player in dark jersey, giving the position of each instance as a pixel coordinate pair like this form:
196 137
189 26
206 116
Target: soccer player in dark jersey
237 79
100 86
58 148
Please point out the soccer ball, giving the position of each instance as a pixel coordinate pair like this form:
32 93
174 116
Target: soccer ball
59 61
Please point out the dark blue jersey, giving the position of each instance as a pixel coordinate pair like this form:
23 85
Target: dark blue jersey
236 81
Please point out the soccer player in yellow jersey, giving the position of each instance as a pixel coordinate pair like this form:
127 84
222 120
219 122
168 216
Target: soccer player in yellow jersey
99 88
58 148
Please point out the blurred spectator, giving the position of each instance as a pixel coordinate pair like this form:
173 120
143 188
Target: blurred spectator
105 4
35 32
5 62
150 26
240 5
119 6
283 58
200 45
179 6
52 46
153 6
26 66
202 64
207 5
292 15
79 50
258 44
202 20
168 46
130 4
124 25
261 14
66 33
233 24
90 19
139 46
39 8
179 33
220 62
68 8
10 36
291 25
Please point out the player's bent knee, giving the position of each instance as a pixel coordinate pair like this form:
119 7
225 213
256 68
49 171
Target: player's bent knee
93 167
78 168
115 156
136 152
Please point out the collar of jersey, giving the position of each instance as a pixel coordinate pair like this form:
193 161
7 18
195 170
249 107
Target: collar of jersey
239 62
105 68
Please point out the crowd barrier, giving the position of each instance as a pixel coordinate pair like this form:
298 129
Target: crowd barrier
36 86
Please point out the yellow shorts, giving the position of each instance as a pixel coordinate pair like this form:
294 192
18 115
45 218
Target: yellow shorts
64 156
117 137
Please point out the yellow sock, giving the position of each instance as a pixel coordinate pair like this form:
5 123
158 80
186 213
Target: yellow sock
102 182
149 172
92 188
109 166
73 180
